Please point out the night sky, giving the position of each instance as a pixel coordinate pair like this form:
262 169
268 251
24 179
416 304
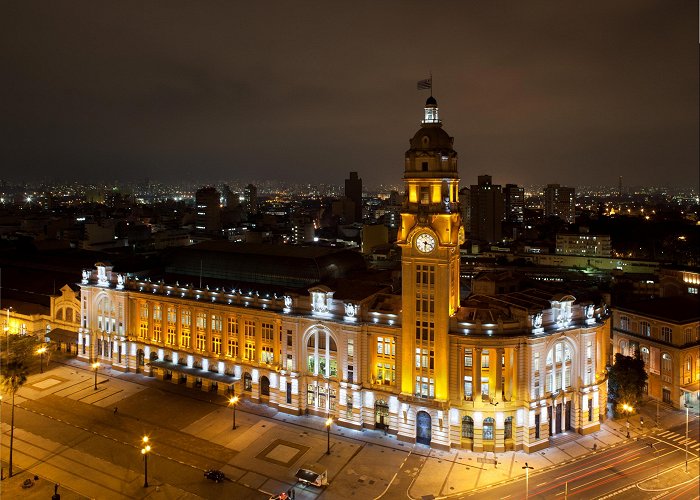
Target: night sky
533 92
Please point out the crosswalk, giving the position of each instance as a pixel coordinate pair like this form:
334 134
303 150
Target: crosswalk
679 440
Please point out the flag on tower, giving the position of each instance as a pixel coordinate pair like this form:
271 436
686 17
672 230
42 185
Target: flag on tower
425 84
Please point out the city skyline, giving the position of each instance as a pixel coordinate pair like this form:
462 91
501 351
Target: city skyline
533 94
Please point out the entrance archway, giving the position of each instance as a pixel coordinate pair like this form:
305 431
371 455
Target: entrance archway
423 428
381 414
247 382
264 386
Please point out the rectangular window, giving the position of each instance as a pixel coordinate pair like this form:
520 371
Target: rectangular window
351 374
589 350
289 338
249 351
467 358
537 362
216 345
468 387
201 321
666 334
484 359
232 326
267 332
645 329
217 324
232 348
351 348
249 329
201 341
267 355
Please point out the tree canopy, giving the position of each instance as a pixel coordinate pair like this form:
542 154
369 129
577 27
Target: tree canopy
626 380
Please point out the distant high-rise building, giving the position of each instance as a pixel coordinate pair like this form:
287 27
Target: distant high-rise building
486 206
250 199
208 212
560 201
514 198
353 191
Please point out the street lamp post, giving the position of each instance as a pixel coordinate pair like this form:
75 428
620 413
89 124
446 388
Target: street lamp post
627 408
233 401
687 408
41 352
527 480
145 451
95 366
329 422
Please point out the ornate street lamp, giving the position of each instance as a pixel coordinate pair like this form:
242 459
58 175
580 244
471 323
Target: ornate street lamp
41 352
95 366
627 409
233 402
145 451
329 422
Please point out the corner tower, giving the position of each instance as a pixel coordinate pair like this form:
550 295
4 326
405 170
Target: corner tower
430 235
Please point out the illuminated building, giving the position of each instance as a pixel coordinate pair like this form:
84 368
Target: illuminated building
559 201
310 330
666 334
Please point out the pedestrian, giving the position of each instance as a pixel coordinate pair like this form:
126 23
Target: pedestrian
115 410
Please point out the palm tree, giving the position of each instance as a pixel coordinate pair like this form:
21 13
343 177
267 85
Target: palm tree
14 375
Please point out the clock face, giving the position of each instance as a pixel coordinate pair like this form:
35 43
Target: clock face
425 243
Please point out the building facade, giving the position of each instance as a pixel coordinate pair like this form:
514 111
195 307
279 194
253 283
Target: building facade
591 245
492 373
666 334
486 211
560 201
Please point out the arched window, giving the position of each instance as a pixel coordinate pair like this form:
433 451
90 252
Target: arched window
508 428
558 372
688 369
468 427
69 315
488 429
645 356
321 354
666 367
59 315
106 317
623 347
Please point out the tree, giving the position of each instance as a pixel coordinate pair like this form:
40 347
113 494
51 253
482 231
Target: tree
626 380
14 375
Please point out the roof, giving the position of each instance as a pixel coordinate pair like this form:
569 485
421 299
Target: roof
681 309
280 265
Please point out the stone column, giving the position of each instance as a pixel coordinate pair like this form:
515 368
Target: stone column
276 347
476 374
151 320
499 374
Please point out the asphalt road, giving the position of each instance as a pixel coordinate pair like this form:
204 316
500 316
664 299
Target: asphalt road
612 473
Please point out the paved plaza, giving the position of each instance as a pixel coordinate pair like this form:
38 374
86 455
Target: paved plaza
262 454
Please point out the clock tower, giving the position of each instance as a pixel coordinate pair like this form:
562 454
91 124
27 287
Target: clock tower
430 235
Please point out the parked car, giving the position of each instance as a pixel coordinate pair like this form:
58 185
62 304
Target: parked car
313 474
214 475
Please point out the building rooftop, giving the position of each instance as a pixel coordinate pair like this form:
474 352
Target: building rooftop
681 309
